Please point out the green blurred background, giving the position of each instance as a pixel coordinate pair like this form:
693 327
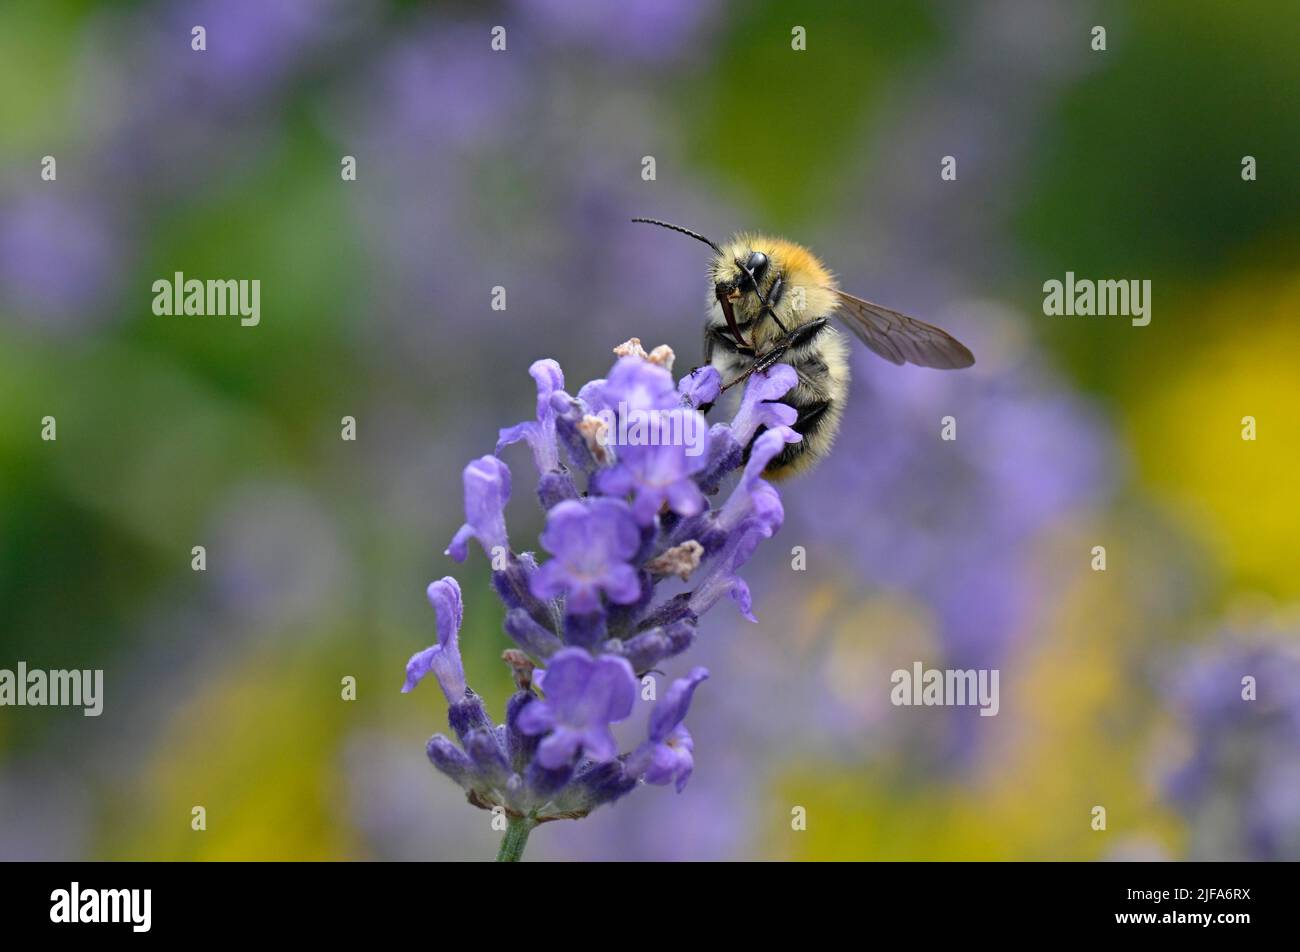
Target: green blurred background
520 169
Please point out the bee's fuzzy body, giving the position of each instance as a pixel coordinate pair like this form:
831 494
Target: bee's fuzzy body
801 291
773 302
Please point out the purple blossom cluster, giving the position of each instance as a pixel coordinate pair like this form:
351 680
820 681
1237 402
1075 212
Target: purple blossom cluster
1239 703
590 620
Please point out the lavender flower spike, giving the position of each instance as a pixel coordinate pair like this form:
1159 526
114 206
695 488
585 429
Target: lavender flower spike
588 618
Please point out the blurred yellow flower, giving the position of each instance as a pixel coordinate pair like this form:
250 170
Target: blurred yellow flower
1189 415
258 752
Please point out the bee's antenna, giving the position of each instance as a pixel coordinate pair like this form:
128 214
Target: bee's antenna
685 231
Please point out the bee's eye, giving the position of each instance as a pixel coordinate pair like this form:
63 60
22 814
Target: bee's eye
756 264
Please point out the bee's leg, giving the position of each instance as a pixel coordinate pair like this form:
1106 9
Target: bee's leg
773 299
806 332
767 359
799 336
718 338
742 378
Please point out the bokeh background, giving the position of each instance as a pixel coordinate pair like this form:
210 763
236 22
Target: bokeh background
1119 688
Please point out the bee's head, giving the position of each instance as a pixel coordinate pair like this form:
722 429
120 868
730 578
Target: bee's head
734 277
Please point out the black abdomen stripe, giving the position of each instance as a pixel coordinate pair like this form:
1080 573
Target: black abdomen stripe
813 416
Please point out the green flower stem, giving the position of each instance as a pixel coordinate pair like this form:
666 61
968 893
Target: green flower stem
516 838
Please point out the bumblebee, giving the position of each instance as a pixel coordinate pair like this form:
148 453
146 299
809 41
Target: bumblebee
774 301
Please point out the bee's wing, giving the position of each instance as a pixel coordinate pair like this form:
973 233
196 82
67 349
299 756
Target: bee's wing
899 338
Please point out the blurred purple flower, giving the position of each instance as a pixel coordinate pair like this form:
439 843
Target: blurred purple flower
437 122
59 259
1027 454
637 29
1237 788
283 566
439 87
251 46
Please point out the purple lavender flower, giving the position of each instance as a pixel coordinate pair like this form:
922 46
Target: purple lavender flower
592 543
640 385
752 512
755 502
584 695
487 490
587 621
443 659
667 757
539 433
722 580
758 406
645 410
702 385
660 475
660 442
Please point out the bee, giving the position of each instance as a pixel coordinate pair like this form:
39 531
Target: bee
774 301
